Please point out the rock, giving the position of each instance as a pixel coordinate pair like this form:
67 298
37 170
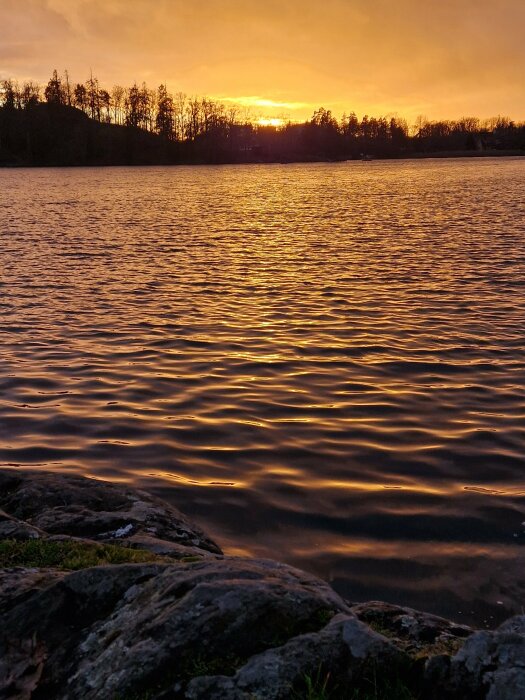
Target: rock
18 583
219 628
14 529
53 620
60 504
342 655
419 634
490 665
494 661
21 669
117 630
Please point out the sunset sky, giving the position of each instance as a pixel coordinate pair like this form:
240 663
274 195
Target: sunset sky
439 58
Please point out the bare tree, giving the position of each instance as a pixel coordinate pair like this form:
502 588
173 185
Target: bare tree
93 97
179 116
29 95
117 96
67 89
104 99
9 94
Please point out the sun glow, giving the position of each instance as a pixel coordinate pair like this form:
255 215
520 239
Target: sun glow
270 121
255 101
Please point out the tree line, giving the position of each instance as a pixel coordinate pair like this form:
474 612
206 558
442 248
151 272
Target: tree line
41 123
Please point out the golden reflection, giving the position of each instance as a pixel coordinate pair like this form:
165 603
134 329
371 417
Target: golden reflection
405 549
309 338
204 482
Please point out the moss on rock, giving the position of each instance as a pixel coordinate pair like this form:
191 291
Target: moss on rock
70 555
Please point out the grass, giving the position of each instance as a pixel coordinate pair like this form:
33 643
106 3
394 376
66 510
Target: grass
322 686
68 554
316 687
443 647
378 627
376 687
448 646
221 666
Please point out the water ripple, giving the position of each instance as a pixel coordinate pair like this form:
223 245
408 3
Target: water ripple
322 363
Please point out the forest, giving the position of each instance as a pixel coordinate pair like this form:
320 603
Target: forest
65 123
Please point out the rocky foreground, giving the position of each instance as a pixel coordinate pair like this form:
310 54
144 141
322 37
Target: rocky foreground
107 592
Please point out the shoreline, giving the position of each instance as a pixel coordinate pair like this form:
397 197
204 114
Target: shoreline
436 155
107 591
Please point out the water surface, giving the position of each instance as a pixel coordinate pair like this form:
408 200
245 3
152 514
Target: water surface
320 363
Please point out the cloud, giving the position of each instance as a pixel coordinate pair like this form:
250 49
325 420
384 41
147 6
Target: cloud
444 58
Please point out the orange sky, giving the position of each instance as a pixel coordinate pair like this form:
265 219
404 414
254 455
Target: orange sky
440 58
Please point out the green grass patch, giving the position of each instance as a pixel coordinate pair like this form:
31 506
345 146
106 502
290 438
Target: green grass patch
443 647
378 627
375 686
200 665
317 686
67 554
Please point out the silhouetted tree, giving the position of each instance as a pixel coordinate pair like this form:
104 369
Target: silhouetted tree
30 95
54 92
200 129
9 94
179 116
93 98
104 102
67 92
80 98
164 121
117 96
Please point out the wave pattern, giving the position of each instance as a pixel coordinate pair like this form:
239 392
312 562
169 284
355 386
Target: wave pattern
323 363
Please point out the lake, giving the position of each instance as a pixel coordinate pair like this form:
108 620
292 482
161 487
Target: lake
323 364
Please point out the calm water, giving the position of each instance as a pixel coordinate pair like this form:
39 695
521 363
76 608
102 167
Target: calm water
320 363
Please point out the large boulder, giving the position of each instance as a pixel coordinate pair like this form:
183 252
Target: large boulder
109 632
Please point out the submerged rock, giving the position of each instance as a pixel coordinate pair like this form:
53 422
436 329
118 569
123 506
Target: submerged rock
215 628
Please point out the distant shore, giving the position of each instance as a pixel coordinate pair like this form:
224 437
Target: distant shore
492 153
56 135
444 155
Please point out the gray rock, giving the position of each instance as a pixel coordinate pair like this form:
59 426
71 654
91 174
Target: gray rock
491 665
14 529
117 630
493 660
18 583
219 628
416 632
343 654
63 504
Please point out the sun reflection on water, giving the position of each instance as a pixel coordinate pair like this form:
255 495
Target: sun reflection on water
319 362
